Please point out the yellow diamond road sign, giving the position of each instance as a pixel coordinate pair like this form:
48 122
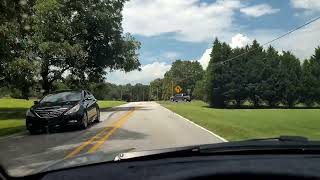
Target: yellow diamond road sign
178 89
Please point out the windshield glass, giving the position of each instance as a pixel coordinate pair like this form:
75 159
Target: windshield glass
62 97
120 76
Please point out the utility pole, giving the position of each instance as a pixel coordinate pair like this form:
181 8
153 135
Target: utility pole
121 93
142 94
171 87
157 93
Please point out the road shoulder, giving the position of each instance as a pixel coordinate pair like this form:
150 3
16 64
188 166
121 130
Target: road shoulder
197 125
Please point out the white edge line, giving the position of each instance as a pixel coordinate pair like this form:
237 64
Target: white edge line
219 137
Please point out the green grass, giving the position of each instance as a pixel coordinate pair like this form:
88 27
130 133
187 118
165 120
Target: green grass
240 124
109 104
15 104
12 113
11 126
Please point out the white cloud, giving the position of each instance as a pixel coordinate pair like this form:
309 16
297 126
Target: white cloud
239 41
148 73
189 20
205 58
171 55
306 4
301 43
258 10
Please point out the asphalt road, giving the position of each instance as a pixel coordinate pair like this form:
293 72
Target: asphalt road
132 127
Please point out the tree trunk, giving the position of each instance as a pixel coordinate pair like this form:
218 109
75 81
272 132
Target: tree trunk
46 85
238 101
290 104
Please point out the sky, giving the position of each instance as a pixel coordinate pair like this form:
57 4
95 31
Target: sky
185 29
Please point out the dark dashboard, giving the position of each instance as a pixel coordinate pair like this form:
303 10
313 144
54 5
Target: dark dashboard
197 167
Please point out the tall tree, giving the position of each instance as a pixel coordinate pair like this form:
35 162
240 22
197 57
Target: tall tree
236 87
182 73
311 79
200 91
270 91
255 62
156 89
83 38
16 66
290 79
217 74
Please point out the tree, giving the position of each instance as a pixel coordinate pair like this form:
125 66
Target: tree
22 76
200 91
290 79
83 38
186 74
236 87
217 74
182 73
156 89
311 79
16 68
270 91
255 62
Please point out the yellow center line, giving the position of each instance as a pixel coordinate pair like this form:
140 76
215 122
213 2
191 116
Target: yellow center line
88 142
107 136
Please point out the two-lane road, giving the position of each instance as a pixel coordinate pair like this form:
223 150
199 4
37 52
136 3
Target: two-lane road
131 127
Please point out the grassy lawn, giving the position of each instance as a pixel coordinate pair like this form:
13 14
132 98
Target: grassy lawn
239 124
110 104
12 113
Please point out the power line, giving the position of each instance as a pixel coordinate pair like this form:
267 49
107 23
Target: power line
273 40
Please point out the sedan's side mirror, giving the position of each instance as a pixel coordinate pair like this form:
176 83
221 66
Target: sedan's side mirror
88 98
35 102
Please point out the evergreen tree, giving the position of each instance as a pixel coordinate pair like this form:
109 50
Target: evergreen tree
289 79
217 74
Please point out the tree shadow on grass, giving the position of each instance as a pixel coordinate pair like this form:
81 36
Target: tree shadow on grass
12 115
11 130
13 109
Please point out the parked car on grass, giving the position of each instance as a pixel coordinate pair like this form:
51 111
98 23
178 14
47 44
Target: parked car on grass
180 97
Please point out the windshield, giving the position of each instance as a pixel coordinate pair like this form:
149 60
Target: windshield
62 97
120 76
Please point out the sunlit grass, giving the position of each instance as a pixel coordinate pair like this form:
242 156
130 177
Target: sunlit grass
239 124
109 104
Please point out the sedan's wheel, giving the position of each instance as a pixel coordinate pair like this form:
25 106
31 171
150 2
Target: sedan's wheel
98 115
84 123
33 131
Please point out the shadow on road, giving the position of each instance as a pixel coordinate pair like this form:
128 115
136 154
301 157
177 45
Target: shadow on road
116 109
124 134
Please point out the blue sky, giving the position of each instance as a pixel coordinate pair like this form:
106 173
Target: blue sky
184 29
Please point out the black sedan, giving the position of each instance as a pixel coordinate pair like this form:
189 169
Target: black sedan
63 109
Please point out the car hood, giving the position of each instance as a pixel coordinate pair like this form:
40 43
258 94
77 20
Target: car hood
49 105
84 159
271 145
